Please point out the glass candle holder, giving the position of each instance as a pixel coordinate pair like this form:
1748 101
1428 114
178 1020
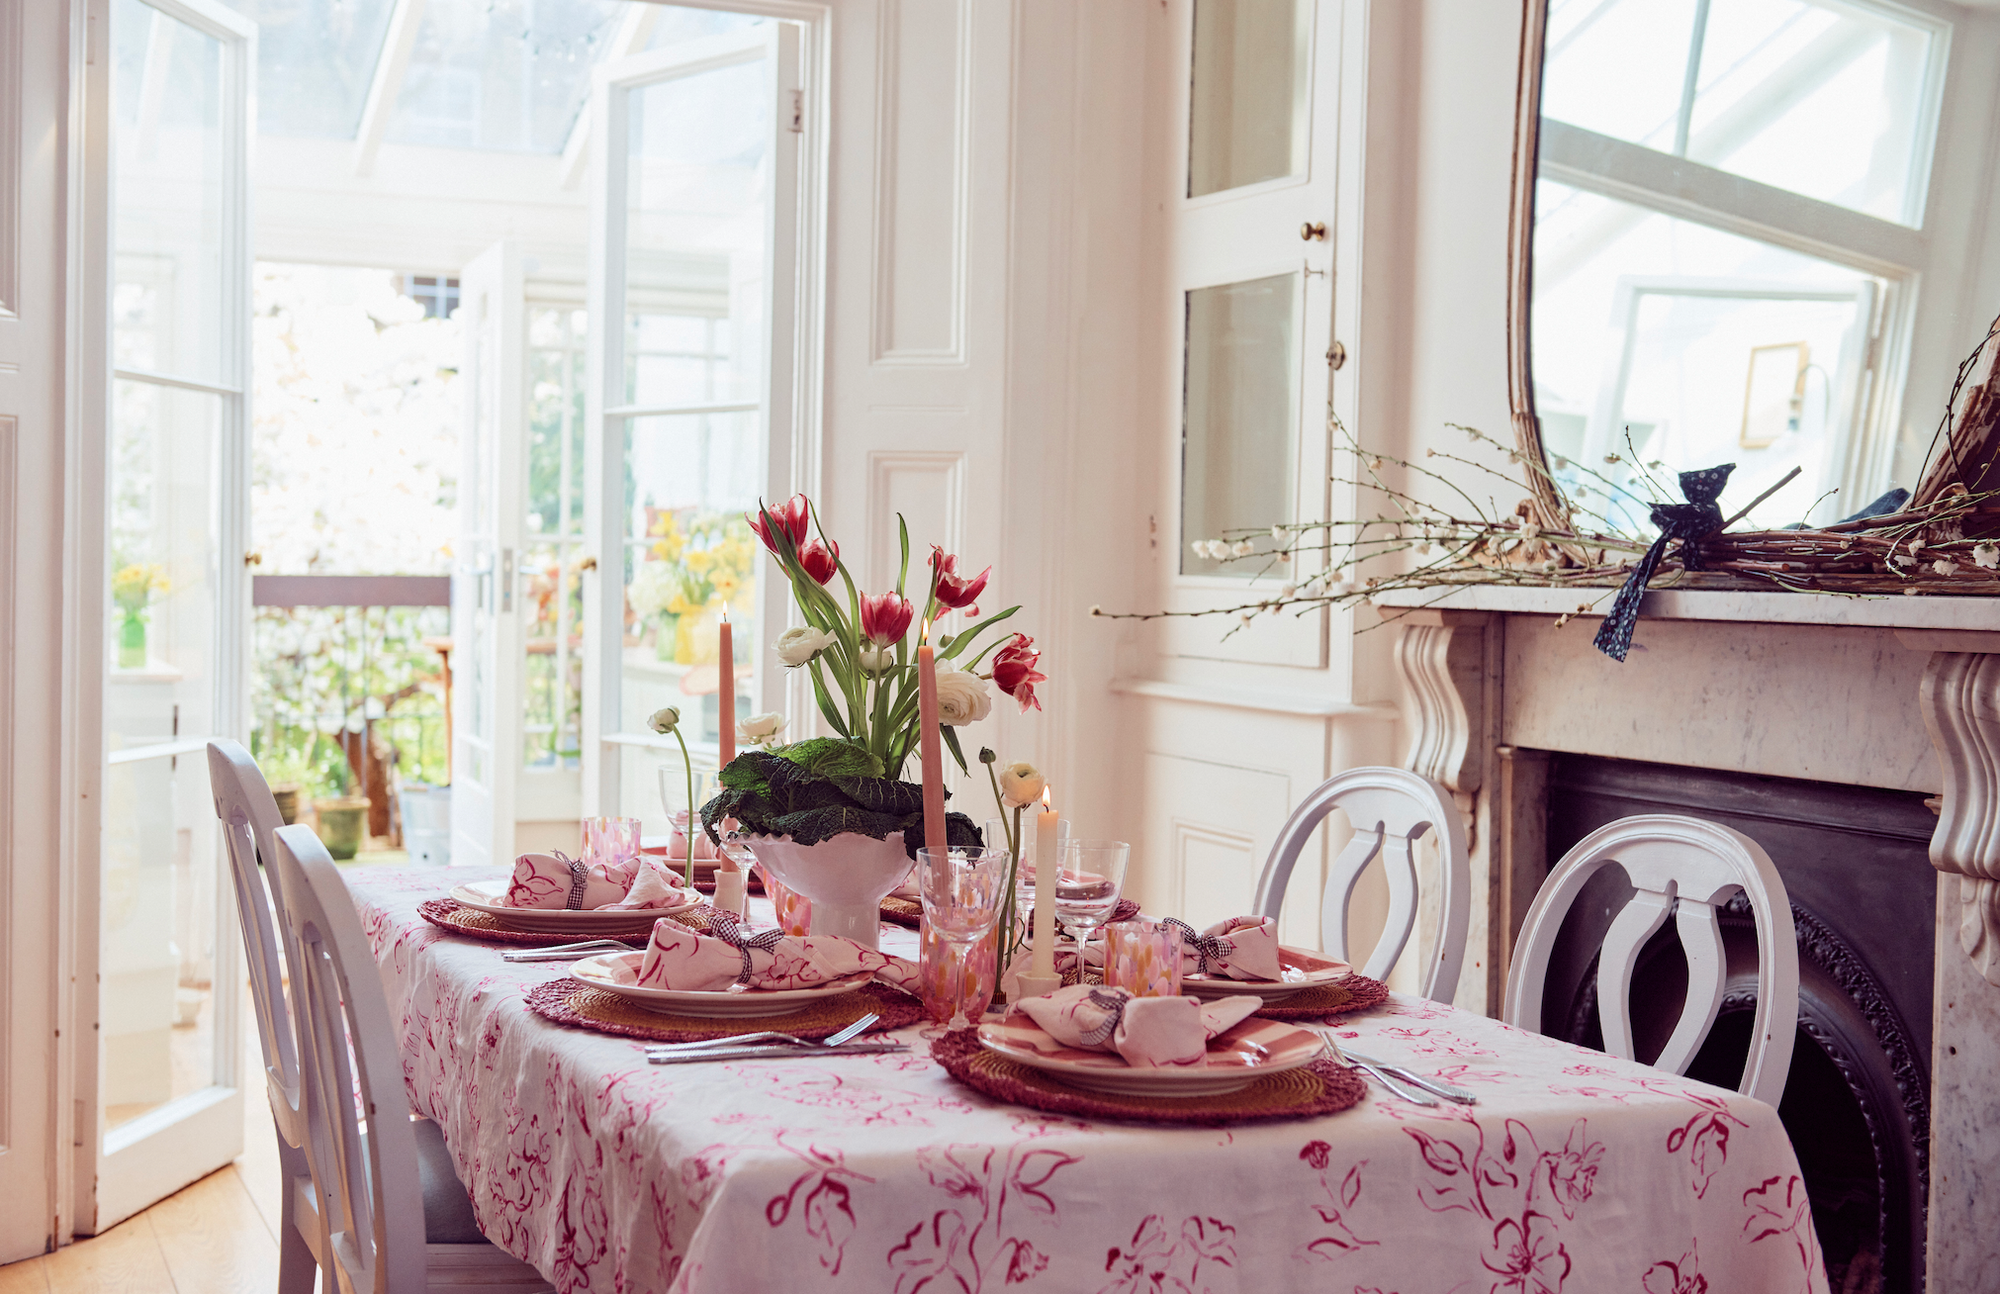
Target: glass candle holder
793 912
610 840
1144 957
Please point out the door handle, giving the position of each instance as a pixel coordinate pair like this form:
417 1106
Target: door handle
506 579
1313 231
587 564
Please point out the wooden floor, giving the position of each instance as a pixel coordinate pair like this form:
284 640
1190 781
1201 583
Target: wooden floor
218 1236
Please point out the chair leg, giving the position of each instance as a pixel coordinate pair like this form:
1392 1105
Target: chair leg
297 1268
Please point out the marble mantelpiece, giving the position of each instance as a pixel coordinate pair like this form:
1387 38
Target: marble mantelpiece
1896 692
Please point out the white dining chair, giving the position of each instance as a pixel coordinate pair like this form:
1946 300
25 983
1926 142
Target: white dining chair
1680 867
1390 809
396 1218
249 819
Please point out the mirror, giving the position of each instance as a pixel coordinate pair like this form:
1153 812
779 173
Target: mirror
1742 232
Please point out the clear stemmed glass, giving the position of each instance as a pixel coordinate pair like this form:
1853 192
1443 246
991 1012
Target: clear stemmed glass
962 892
1087 886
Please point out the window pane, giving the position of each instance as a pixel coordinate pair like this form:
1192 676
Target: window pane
695 236
1824 101
553 675
1240 450
510 75
315 62
159 838
1617 66
689 553
168 178
1676 336
1249 89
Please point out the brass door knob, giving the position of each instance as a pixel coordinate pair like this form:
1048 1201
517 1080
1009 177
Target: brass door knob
1336 355
587 564
253 559
1313 231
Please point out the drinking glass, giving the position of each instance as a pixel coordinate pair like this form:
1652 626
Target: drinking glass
1087 888
996 838
610 840
1144 957
962 892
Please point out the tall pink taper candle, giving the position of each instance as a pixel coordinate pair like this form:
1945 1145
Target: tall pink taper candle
928 742
1048 869
726 737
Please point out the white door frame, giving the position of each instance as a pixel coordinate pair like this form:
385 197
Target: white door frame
116 1175
794 234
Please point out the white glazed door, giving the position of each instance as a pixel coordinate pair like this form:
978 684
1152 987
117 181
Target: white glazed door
169 347
694 173
486 612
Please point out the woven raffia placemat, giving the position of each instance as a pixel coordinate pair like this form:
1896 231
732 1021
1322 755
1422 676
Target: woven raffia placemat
1344 997
1312 1090
449 915
568 1001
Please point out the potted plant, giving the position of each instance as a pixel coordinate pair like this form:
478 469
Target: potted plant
343 818
832 818
132 589
287 767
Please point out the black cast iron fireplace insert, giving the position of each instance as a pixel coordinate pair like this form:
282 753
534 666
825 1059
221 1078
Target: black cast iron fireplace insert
1855 863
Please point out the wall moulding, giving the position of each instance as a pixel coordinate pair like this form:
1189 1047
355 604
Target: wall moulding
1961 709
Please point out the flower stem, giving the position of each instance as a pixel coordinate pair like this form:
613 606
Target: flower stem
687 763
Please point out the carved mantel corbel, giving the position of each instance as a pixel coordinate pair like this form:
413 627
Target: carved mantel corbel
1444 658
1960 699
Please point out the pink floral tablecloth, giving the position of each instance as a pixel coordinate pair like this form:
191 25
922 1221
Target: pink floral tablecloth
878 1173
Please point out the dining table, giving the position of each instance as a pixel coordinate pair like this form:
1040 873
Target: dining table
880 1172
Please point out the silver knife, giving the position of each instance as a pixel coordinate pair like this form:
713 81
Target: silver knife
756 1052
1449 1091
1396 1089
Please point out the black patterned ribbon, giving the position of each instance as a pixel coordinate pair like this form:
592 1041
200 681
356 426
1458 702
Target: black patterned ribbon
579 878
1206 947
723 924
1112 1002
1689 522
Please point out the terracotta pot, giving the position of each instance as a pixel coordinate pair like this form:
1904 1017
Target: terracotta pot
845 877
342 824
287 796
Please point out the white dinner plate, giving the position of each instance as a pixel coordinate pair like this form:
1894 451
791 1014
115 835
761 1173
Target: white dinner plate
489 896
1302 968
600 972
1237 1057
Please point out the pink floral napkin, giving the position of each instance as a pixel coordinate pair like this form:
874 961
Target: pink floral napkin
1244 948
557 881
1148 1032
678 958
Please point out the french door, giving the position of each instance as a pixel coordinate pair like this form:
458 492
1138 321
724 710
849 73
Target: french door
689 403
168 348
486 618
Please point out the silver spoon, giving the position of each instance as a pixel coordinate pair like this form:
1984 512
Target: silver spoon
1396 1089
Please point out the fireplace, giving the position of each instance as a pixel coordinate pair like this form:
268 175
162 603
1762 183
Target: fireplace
1855 864
1851 714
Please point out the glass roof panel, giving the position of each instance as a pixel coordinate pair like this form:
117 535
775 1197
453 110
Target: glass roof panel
506 75
677 24
315 61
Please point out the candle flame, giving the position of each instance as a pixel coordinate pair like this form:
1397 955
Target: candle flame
927 632
725 613
1046 788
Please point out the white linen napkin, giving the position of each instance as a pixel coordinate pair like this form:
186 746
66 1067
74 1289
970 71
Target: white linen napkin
734 957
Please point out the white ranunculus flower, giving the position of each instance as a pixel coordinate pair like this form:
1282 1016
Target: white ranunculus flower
1020 785
797 646
664 721
877 659
962 698
760 729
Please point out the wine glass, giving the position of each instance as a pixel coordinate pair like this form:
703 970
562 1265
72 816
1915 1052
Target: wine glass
1087 885
962 891
996 837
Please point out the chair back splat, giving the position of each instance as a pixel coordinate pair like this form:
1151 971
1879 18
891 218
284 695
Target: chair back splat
357 1115
1681 869
1391 809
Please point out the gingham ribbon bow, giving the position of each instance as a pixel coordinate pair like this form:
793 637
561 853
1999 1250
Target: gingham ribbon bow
579 877
1112 1002
1206 947
723 924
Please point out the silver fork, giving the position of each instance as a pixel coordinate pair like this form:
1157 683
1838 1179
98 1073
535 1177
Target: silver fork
1396 1089
567 952
736 1040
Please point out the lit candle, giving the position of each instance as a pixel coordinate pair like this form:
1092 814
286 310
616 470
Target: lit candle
1048 868
928 742
726 737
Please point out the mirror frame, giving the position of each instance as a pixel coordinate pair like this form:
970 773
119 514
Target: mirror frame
1547 497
